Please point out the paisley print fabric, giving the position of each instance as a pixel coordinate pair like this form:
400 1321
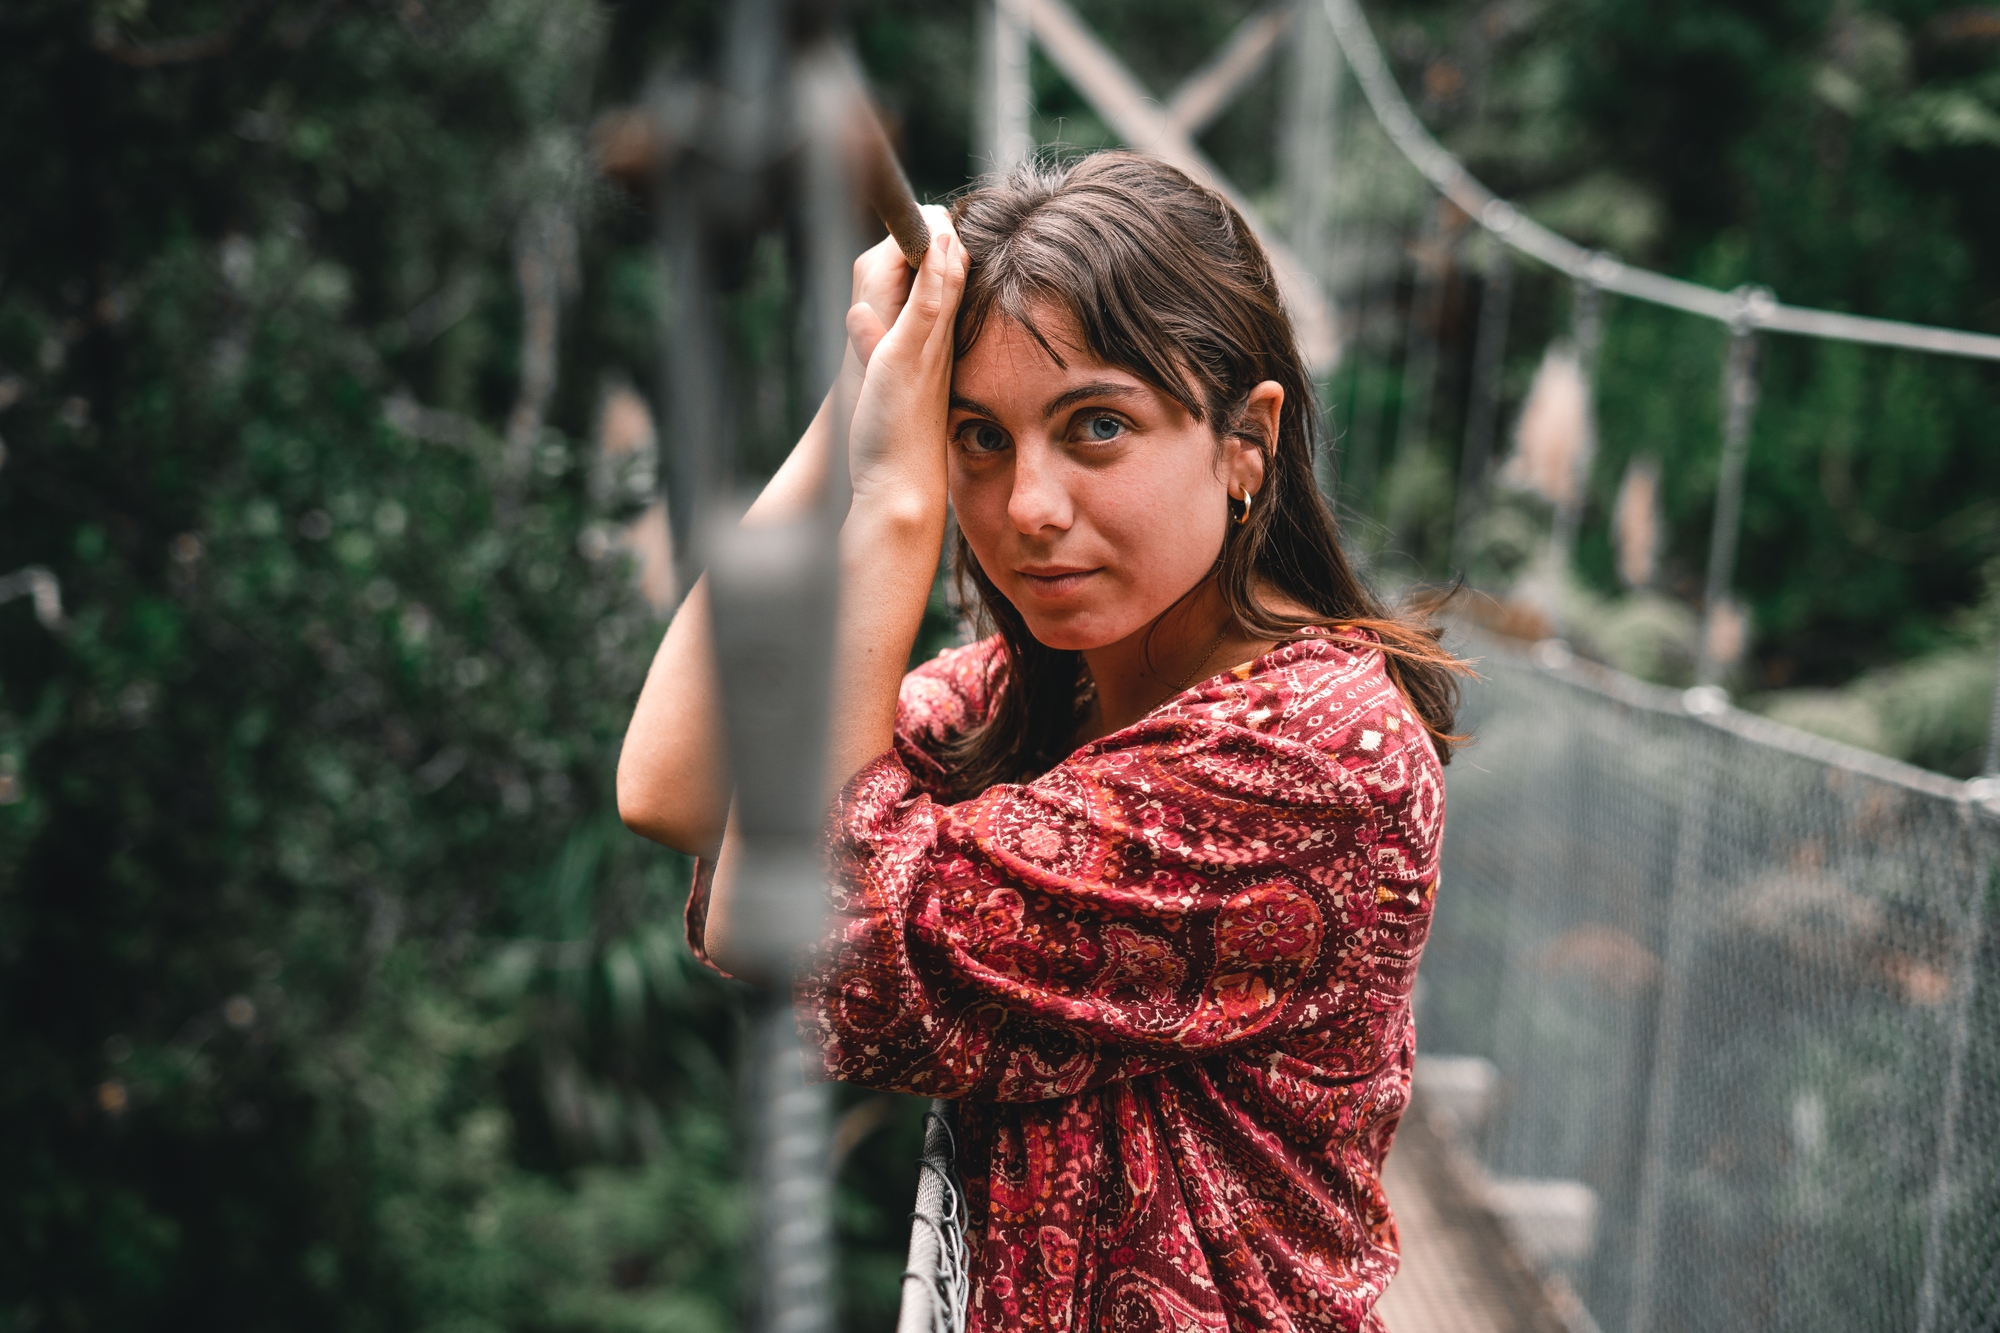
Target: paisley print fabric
1168 983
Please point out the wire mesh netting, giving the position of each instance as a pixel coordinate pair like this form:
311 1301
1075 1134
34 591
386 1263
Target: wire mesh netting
1740 983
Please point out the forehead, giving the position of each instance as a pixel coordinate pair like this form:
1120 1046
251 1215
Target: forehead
1008 346
1010 368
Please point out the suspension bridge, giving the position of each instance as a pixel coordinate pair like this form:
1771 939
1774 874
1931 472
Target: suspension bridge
1710 1011
1707 997
1709 1008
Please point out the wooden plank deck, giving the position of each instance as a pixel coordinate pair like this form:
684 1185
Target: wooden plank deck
1461 1273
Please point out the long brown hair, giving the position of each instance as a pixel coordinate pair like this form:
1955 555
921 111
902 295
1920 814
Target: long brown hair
1165 280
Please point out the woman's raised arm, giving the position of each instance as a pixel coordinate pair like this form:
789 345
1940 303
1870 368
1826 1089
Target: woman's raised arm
668 771
895 526
890 540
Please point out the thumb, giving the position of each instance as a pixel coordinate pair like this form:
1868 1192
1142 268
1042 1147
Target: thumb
865 330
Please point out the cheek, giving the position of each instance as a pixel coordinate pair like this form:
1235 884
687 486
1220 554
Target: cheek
1165 521
1157 520
979 506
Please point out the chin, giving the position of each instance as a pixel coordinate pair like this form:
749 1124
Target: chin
1077 634
1064 641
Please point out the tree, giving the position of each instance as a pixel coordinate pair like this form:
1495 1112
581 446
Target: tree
334 996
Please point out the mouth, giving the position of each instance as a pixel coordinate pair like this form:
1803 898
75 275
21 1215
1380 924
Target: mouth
1053 581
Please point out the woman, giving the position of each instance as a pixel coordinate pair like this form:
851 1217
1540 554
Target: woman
1141 879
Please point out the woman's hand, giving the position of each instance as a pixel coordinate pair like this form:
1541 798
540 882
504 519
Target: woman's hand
667 788
895 525
882 277
882 281
896 438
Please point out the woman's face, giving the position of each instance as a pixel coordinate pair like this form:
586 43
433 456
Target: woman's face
1092 500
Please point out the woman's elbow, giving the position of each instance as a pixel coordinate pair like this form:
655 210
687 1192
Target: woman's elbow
652 813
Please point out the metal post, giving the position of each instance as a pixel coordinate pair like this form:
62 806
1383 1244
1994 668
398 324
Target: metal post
1954 1084
1981 791
1488 356
795 1232
690 371
1683 915
782 146
1670 1031
1006 101
828 239
1363 455
1307 139
1739 399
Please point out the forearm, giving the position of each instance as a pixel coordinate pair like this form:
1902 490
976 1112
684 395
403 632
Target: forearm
798 484
893 528
889 555
895 524
669 769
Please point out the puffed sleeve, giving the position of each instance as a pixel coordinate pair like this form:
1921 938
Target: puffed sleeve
937 703
1184 887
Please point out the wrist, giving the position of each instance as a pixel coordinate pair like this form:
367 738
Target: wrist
894 512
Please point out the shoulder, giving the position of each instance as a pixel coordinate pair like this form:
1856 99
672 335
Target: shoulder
950 694
1328 691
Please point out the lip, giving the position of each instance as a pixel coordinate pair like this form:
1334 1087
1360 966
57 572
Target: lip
1055 580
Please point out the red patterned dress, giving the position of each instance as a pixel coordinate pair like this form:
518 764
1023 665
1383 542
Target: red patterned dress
1168 983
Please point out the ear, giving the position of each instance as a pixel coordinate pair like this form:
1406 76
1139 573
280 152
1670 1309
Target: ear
1257 435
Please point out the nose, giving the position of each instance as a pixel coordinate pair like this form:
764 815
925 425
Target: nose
1039 499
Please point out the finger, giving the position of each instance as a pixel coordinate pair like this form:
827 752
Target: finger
920 312
932 300
882 279
938 219
865 330
956 267
868 261
943 284
846 393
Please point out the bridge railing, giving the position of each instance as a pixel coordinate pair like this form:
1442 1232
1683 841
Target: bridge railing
1740 983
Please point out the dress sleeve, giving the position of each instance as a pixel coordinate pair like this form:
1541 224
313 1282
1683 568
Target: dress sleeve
1183 888
937 703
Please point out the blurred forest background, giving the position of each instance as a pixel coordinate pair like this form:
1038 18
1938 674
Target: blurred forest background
332 993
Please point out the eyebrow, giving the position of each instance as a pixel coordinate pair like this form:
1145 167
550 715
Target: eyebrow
1101 389
1068 398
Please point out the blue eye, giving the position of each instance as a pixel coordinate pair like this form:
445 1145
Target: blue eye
1103 428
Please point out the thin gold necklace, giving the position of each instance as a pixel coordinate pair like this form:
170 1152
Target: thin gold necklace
1207 653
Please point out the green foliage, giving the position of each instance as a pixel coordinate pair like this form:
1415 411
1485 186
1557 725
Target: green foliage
1783 145
1933 710
334 996
1842 155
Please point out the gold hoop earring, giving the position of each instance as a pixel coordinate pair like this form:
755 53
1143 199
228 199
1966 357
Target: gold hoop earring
1244 517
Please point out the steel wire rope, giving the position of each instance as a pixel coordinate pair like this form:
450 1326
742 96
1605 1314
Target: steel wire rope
1746 308
1746 311
939 1259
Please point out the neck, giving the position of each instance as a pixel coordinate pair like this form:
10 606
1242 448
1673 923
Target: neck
1185 644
